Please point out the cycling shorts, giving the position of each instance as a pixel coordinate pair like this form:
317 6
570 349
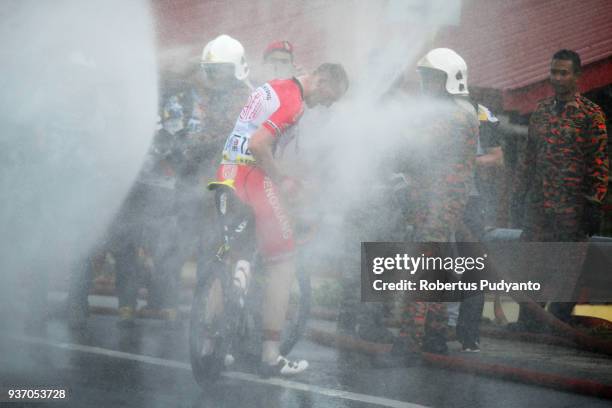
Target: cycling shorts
273 227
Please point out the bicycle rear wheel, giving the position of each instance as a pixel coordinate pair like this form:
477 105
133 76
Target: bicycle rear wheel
299 312
207 330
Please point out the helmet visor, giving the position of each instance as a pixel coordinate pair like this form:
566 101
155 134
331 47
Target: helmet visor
217 71
433 81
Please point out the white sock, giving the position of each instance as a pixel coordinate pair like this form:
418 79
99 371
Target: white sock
270 351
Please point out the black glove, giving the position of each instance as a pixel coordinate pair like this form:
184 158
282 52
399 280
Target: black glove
591 218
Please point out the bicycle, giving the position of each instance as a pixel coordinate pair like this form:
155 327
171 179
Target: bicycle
225 319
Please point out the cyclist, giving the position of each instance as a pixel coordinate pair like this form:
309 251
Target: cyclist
248 167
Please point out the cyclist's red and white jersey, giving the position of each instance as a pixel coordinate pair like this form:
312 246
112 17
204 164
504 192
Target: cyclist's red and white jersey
276 105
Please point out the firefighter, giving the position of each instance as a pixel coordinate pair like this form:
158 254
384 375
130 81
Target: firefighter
439 171
196 118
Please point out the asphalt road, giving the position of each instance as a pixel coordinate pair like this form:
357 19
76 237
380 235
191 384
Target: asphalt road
103 366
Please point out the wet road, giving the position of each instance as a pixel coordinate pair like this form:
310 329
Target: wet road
147 366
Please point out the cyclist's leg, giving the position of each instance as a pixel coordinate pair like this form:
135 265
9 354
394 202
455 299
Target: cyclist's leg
279 278
275 241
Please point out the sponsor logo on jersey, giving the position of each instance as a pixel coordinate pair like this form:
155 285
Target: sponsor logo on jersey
274 201
253 107
229 171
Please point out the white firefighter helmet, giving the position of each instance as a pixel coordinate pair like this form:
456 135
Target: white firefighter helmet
451 63
226 50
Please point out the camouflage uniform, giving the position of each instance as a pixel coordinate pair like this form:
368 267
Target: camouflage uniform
562 170
199 121
563 167
440 176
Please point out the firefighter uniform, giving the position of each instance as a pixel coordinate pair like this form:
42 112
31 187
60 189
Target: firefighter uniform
441 178
562 178
196 121
563 169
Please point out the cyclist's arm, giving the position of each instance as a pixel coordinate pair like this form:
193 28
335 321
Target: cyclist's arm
261 147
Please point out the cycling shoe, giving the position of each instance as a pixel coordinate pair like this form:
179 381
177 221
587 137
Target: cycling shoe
283 367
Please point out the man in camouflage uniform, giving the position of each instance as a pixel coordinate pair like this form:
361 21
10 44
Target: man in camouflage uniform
439 173
562 173
196 119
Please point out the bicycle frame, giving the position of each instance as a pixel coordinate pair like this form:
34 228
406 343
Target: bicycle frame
240 331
